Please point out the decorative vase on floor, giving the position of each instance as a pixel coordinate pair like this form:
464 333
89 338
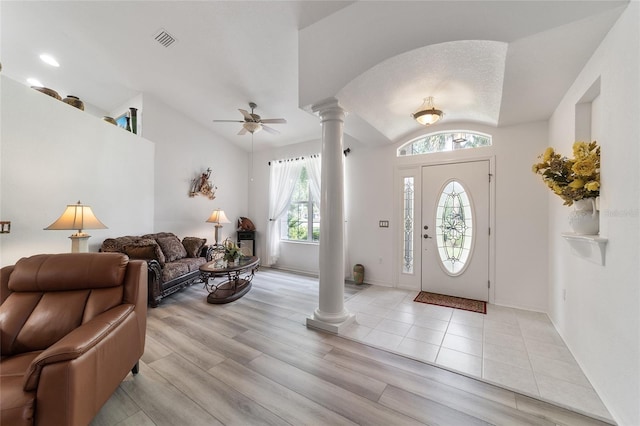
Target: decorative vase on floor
585 219
358 273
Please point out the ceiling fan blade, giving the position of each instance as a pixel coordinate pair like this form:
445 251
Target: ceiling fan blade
270 130
227 121
242 131
246 114
274 120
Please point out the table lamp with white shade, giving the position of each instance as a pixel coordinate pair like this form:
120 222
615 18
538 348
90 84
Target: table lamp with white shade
217 217
77 216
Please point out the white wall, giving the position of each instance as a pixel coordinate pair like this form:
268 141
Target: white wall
52 155
600 318
521 232
184 150
368 199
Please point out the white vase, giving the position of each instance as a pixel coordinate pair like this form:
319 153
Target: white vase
585 219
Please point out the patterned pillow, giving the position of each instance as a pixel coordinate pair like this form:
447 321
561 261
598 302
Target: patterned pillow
144 249
110 245
193 245
140 252
172 248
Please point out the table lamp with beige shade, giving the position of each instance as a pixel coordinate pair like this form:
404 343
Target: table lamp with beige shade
217 217
79 217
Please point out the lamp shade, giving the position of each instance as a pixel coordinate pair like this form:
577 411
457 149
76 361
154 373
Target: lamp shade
77 216
218 216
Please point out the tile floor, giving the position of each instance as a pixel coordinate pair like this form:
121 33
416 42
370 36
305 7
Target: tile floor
517 349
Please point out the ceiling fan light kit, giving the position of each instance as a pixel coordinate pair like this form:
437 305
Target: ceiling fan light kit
251 127
427 114
253 123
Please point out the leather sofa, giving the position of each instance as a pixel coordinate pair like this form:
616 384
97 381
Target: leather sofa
72 326
172 264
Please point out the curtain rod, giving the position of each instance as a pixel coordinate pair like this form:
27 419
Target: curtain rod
345 152
285 160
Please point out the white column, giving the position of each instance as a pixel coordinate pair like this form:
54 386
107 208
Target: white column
331 315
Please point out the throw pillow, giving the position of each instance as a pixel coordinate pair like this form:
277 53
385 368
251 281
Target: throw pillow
110 245
193 245
140 252
172 248
144 249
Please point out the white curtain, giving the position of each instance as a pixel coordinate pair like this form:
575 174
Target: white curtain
314 170
284 175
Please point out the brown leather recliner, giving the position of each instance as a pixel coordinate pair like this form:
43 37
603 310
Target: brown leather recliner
72 326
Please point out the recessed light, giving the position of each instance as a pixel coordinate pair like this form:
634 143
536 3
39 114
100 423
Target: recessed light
49 60
34 82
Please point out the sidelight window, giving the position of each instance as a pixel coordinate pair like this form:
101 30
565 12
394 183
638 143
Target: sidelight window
408 221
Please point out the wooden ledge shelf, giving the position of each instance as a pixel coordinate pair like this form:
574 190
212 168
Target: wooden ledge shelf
590 247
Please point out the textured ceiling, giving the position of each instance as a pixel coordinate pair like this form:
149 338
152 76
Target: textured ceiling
463 77
497 63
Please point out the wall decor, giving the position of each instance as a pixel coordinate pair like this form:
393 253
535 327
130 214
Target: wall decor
5 227
74 101
201 185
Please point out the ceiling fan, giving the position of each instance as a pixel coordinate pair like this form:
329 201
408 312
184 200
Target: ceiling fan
253 122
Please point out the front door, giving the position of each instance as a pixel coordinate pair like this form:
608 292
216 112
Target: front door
455 229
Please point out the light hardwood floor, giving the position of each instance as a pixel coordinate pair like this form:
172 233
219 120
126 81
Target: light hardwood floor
253 362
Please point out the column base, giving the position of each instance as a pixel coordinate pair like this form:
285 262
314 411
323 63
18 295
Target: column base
331 327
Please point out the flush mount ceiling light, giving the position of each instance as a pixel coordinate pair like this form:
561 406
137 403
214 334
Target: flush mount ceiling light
48 59
427 114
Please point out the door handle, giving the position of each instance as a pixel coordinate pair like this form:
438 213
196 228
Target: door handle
426 236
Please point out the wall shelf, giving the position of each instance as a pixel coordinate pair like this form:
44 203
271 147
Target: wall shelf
590 247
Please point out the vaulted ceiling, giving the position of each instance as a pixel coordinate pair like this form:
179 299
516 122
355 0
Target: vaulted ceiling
496 63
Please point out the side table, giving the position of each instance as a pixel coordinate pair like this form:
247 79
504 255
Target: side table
247 242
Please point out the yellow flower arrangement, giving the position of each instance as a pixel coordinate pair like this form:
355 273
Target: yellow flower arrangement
571 178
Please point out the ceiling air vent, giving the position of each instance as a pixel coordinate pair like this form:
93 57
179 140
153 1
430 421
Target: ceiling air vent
164 38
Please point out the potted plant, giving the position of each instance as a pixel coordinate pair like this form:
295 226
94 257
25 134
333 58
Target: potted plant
231 251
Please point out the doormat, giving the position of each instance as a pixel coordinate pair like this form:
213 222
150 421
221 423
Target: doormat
452 302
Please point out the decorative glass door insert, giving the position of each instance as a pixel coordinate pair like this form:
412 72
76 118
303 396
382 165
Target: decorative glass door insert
454 227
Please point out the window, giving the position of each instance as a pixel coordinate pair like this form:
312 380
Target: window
444 141
407 214
302 220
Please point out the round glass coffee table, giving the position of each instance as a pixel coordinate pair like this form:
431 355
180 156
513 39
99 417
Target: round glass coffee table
236 279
